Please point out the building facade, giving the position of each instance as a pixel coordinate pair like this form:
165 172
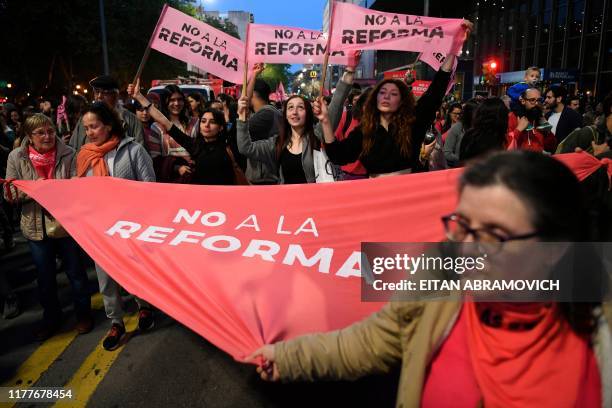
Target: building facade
570 39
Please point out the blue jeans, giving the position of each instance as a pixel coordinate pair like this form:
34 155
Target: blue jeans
43 254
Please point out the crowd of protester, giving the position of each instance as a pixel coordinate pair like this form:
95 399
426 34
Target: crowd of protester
379 131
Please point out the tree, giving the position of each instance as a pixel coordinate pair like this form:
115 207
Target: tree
50 46
273 74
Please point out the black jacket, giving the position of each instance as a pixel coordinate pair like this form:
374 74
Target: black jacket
569 121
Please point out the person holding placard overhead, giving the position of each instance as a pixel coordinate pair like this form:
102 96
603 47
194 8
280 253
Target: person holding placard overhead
393 126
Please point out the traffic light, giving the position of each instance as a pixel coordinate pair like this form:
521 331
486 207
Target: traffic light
489 72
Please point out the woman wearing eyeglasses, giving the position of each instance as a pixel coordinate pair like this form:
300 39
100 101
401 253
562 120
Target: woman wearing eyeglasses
43 155
454 354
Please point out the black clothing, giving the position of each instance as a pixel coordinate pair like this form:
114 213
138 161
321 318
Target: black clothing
569 121
212 163
293 171
384 156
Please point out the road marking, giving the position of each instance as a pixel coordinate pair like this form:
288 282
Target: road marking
30 371
87 378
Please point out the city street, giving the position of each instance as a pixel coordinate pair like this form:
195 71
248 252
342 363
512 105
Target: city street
169 366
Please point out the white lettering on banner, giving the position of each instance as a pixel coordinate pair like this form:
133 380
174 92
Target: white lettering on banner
279 229
313 228
233 243
256 247
185 236
155 234
245 223
264 249
323 257
124 229
184 215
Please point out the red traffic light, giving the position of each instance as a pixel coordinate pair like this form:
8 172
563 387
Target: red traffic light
493 65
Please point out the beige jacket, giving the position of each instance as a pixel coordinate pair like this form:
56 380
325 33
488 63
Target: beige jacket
21 168
406 333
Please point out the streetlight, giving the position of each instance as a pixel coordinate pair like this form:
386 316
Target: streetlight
9 85
78 87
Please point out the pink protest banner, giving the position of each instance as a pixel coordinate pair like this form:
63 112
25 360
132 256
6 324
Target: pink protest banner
358 28
190 40
246 266
278 44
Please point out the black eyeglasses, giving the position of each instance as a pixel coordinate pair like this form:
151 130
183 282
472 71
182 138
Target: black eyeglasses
457 230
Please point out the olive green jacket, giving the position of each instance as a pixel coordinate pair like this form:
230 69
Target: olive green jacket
406 333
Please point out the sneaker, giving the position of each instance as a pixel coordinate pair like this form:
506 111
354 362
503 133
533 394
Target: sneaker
113 337
84 324
145 319
47 329
11 307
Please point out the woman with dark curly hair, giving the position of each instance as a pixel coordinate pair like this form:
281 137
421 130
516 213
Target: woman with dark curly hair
488 132
392 127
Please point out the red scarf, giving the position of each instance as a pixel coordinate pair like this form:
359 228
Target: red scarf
548 365
92 156
44 163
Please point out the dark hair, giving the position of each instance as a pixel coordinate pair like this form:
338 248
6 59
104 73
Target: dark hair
573 98
550 189
8 116
219 117
169 90
467 116
262 90
75 105
196 96
108 117
401 121
488 130
358 105
558 91
447 119
555 198
355 93
284 132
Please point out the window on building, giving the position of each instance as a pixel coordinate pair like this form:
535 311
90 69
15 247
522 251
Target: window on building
605 84
573 53
557 55
518 64
576 18
591 48
542 55
607 57
595 17
560 24
529 57
545 28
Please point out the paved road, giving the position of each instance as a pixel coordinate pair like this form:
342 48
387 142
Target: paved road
169 366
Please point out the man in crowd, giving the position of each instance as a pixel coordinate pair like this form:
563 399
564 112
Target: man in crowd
528 127
563 119
106 90
595 139
574 102
262 124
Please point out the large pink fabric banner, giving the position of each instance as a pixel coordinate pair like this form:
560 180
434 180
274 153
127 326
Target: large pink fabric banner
190 40
245 266
358 28
289 45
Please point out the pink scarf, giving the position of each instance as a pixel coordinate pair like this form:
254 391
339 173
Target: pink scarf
44 163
